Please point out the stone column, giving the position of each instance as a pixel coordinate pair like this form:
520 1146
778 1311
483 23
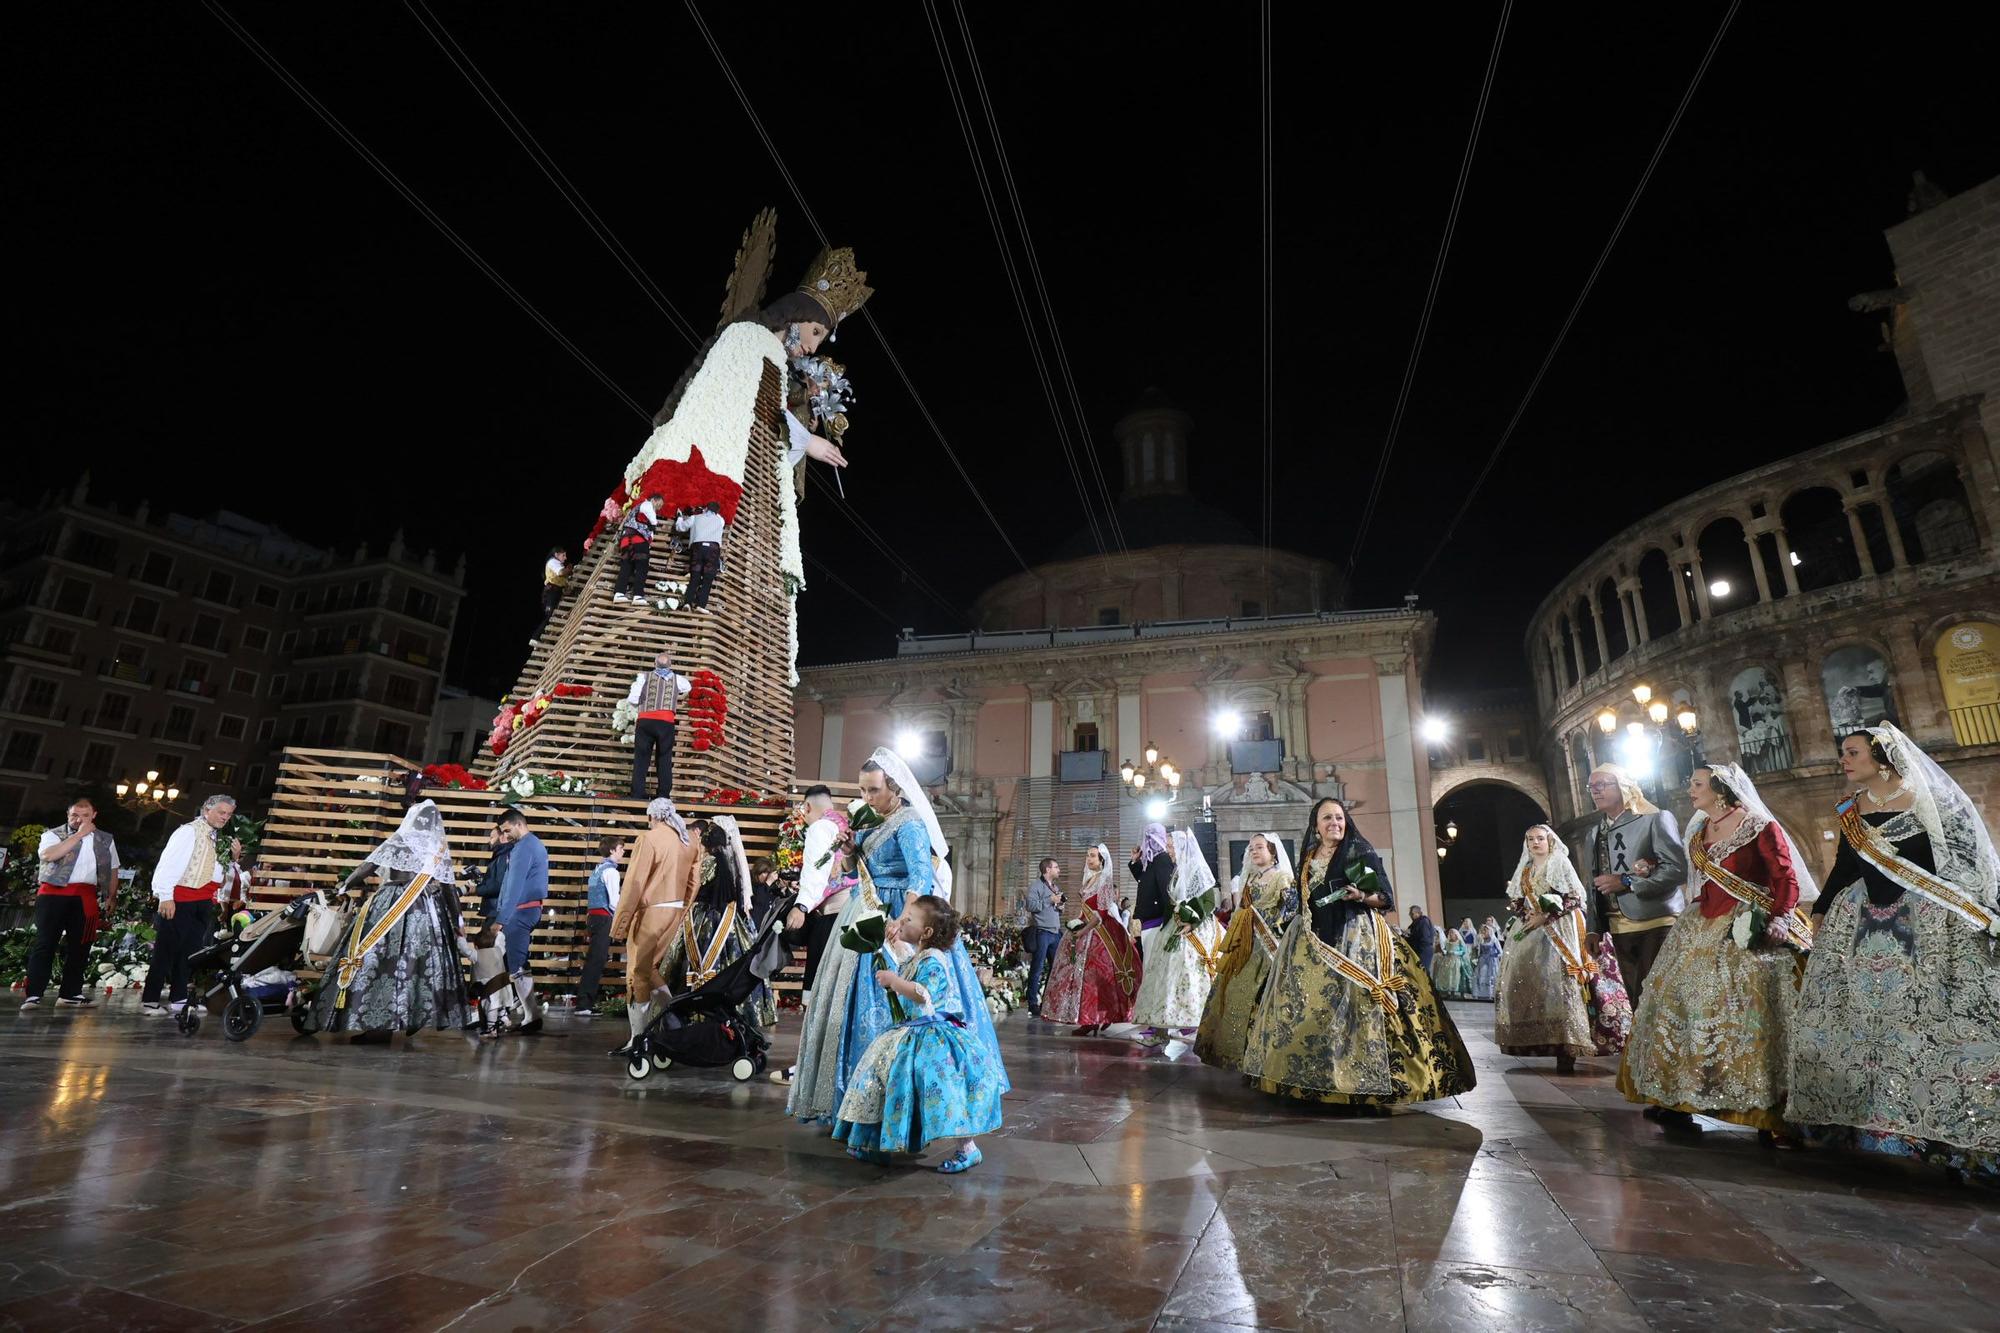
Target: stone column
1700 584
1597 623
1861 551
1757 565
1576 644
1399 746
1633 590
1126 740
1041 730
1676 569
1790 571
833 733
1878 491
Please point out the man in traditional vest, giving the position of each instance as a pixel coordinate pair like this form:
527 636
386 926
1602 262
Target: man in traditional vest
635 550
656 694
1633 860
78 879
185 880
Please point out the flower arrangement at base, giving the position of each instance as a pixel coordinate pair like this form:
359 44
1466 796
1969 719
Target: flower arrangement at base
519 716
625 721
866 935
452 777
742 796
668 594
708 705
791 842
524 783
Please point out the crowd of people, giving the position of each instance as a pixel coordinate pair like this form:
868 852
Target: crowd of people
1711 962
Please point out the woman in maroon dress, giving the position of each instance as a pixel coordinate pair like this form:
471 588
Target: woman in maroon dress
1097 966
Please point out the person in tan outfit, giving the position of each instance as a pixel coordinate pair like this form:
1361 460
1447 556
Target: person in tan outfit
654 897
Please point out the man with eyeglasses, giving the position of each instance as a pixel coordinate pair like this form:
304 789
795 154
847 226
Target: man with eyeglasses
1637 870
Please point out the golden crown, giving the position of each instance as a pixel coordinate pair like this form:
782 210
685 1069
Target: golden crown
836 283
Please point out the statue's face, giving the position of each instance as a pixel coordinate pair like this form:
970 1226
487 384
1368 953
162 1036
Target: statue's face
811 335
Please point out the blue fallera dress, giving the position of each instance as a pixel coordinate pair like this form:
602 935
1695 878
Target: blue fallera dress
927 1078
897 854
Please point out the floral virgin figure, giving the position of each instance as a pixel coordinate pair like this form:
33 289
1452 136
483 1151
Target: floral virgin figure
1348 1016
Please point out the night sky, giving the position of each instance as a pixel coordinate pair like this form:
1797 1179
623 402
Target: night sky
218 303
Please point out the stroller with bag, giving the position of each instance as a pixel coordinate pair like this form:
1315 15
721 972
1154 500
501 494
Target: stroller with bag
266 948
704 1027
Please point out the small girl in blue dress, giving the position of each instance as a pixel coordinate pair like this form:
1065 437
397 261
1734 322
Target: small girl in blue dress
929 1077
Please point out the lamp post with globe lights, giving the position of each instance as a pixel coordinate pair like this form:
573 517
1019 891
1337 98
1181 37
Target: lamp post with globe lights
147 793
1645 743
1156 781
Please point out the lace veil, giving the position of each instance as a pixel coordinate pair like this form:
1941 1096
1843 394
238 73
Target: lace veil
1960 844
1756 816
1192 876
727 823
419 846
1556 874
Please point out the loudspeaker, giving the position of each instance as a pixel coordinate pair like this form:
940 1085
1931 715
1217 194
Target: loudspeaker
1204 836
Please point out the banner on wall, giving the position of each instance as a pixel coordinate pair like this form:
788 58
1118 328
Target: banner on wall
1968 661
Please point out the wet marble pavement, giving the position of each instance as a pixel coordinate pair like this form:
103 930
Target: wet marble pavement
149 1181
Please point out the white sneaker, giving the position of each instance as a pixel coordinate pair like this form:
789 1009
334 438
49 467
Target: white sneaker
80 1002
620 597
32 1002
152 1009
175 1006
584 1013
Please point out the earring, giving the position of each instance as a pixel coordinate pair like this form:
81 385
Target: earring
1882 773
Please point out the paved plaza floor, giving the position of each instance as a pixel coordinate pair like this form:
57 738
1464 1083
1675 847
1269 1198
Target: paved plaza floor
151 1181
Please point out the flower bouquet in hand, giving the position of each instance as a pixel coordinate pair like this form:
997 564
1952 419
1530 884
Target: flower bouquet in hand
866 935
1361 878
1189 913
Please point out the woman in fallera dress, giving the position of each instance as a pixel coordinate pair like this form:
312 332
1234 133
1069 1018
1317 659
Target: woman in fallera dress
1181 954
1896 1042
718 928
1713 1032
1266 901
1542 1006
1348 1016
1096 971
1486 973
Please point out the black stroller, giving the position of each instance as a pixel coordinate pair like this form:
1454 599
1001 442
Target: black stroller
703 1027
272 940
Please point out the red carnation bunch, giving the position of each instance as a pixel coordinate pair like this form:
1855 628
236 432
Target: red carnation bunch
454 776
708 705
572 692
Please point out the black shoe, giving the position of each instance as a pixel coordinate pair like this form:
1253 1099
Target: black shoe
1651 1112
533 1025
621 1052
1676 1120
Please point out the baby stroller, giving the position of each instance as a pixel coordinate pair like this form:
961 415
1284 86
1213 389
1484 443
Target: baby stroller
703 1027
501 1008
269 944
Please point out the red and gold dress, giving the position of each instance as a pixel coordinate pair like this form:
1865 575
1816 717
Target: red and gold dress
1097 965
1713 1032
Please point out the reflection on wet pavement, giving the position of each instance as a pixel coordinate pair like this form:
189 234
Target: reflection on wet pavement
156 1182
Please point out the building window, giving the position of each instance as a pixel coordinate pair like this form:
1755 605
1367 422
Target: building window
114 712
242 682
364 592
288 641
219 588
1475 748
23 749
95 549
207 632
1253 610
194 676
278 684
1517 745
179 725
10 804
400 692
392 737
266 596
170 769
98 760
454 745
157 569
58 640
298 731
230 727
419 603
254 779
265 728
142 616
38 698
256 638
222 774
1085 736
1107 615
73 598
329 729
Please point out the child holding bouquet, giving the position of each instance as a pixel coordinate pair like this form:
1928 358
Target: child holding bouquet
927 1078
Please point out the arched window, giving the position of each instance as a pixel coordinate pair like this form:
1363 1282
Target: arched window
1614 619
1859 692
1763 734
1656 594
1725 563
1572 670
1822 539
1928 502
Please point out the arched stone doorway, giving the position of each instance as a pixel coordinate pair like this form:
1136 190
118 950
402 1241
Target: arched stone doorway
1490 814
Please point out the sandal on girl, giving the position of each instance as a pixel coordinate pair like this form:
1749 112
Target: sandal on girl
967 1157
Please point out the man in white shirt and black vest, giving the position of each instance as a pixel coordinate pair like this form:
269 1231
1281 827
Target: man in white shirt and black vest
78 879
185 880
656 694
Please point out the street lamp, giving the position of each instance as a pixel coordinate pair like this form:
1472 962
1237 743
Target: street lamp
1435 730
1160 771
1227 724
1643 743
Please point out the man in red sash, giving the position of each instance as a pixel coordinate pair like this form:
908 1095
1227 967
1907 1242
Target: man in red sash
78 878
184 882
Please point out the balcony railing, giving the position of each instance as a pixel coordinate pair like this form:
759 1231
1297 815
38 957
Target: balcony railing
1977 725
1082 765
124 671
1257 756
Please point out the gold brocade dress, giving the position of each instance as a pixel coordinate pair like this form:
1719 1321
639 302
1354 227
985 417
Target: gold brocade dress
1323 1036
1244 965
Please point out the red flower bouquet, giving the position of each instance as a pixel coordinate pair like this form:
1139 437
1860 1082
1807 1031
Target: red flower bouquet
708 706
